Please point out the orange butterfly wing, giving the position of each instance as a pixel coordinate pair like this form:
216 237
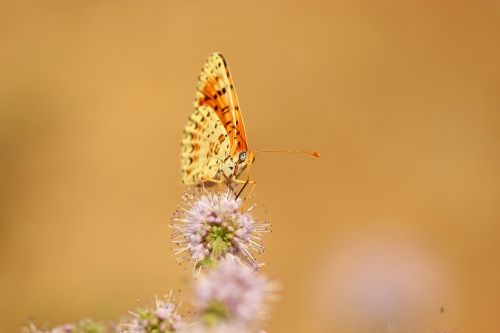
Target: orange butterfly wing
216 90
215 132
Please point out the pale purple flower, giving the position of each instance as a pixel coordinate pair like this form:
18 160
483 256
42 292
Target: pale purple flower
227 327
231 292
82 326
163 318
213 225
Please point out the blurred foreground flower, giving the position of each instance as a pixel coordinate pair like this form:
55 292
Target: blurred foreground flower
210 226
232 293
82 326
220 328
161 319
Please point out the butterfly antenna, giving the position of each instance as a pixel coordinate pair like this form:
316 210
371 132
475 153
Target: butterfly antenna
312 153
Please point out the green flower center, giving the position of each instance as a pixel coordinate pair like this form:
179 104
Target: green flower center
214 313
154 324
219 239
87 326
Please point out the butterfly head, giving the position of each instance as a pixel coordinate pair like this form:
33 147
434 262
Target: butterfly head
235 165
246 157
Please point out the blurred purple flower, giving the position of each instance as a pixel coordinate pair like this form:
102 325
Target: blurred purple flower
232 292
82 326
230 327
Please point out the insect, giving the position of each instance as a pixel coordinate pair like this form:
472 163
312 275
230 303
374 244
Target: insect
214 145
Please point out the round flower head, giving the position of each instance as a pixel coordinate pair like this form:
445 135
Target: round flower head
229 327
82 326
210 226
162 319
232 292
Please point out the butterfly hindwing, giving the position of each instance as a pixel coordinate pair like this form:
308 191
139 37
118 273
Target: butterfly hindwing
204 143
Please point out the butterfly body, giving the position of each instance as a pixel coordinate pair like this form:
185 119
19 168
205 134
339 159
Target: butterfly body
214 144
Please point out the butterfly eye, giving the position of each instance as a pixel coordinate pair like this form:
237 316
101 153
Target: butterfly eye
243 156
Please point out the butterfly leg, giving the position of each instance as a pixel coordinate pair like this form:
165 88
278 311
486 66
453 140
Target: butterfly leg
229 183
242 188
212 180
219 182
253 183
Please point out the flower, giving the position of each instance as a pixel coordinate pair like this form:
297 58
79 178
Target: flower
162 319
82 326
220 328
231 292
210 226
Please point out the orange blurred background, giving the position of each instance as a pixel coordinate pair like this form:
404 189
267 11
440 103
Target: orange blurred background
399 219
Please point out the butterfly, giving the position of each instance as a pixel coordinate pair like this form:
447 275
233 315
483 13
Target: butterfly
214 141
214 146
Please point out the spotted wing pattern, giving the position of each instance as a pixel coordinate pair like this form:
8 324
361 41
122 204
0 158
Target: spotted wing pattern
204 145
215 130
